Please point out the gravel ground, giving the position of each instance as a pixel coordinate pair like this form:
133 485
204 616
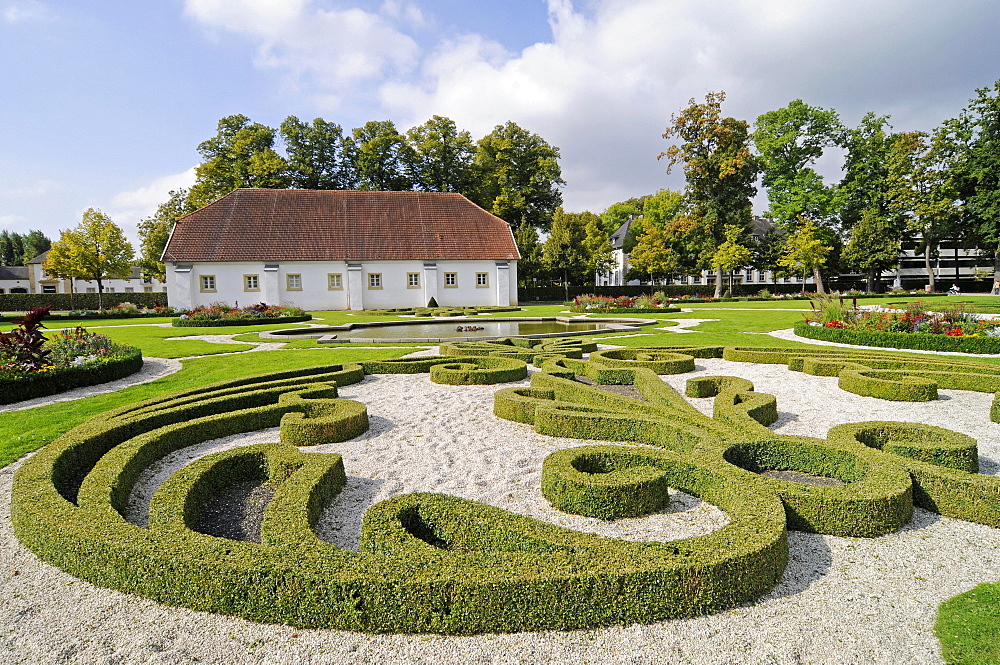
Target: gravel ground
841 600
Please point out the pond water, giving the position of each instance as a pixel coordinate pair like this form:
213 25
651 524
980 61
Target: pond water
445 329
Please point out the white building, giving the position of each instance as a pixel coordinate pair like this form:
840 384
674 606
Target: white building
42 282
337 250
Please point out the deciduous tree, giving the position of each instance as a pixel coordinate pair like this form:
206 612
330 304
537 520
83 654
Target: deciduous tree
564 252
96 249
154 232
518 176
441 157
378 155
805 251
315 156
732 253
719 169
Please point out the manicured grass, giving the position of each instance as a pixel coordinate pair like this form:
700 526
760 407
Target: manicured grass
24 431
969 625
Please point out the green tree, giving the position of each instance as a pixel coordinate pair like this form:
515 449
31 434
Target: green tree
654 255
619 213
805 251
923 191
378 155
6 249
241 154
62 262
518 176
530 267
596 245
789 140
975 136
718 167
441 157
732 253
315 156
867 208
96 249
564 252
767 251
154 232
35 242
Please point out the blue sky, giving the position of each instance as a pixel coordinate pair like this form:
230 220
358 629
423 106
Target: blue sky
104 102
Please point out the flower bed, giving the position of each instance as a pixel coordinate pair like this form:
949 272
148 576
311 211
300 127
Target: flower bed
655 303
32 365
220 314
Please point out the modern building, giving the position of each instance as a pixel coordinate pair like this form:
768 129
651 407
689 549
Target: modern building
340 250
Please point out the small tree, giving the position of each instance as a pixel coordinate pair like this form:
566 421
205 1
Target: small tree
61 262
805 251
96 249
653 254
731 254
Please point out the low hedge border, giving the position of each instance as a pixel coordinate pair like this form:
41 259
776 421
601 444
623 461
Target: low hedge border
123 363
627 310
487 370
216 323
440 311
899 340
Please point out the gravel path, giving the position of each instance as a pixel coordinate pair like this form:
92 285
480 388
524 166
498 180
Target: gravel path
841 600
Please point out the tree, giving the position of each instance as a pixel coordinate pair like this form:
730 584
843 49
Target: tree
975 135
596 245
440 158
35 242
804 251
241 154
564 252
518 176
789 140
315 156
718 168
378 153
96 249
154 232
530 267
654 255
17 249
619 213
867 205
767 252
732 253
62 261
923 191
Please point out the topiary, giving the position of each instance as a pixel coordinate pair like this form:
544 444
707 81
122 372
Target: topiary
432 302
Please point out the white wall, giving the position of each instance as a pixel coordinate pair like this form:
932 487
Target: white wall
356 291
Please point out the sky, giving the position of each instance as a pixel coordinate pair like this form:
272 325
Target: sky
104 102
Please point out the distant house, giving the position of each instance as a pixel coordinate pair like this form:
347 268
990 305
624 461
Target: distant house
41 282
616 275
340 250
14 279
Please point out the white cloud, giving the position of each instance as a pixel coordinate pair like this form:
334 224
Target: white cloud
39 188
129 208
12 220
326 49
22 11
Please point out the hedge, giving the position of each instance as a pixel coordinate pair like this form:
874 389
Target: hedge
486 370
899 340
122 363
441 564
213 323
15 302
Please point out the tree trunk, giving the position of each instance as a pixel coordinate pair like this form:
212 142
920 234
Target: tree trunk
871 280
927 264
718 283
100 295
819 280
566 284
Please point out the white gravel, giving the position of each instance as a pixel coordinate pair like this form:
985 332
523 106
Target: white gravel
841 600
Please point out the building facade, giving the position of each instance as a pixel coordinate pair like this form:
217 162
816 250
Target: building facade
341 250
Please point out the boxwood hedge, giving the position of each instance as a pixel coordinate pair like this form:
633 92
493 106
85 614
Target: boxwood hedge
16 388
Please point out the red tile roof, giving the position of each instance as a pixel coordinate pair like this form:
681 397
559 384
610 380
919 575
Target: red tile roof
330 225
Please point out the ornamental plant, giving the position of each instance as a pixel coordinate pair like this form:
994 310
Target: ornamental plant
23 349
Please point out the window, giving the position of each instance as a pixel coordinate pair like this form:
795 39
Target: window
451 279
129 289
147 289
90 289
293 282
482 279
374 280
413 280
207 283
334 281
48 288
251 282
